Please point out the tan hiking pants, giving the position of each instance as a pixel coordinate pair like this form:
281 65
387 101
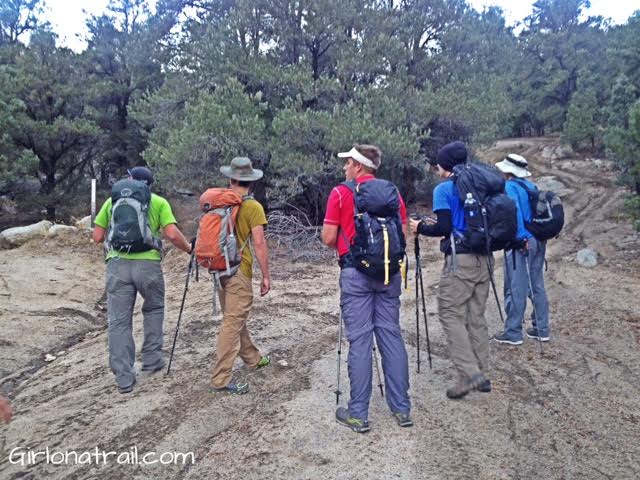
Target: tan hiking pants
236 298
462 298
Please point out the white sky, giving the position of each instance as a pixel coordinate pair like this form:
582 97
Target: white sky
515 10
68 16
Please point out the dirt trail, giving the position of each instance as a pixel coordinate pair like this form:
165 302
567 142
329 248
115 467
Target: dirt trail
572 413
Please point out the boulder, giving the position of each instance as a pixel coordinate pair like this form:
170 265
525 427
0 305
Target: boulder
56 230
7 206
550 182
587 258
16 236
564 151
84 223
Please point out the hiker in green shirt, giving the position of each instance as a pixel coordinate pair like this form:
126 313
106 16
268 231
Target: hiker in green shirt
130 273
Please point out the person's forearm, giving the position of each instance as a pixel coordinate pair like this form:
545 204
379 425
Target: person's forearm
176 237
441 228
262 256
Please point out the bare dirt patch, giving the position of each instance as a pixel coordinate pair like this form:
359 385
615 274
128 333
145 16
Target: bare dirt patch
570 413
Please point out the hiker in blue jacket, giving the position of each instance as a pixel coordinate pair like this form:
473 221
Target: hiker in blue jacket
523 265
464 280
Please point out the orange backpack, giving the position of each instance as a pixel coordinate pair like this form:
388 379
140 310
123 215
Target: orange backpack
216 243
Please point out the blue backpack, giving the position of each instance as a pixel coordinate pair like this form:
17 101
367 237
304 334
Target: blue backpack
378 248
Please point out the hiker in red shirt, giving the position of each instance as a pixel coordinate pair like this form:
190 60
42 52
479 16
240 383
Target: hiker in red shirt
370 302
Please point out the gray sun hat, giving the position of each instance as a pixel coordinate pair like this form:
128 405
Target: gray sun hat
241 170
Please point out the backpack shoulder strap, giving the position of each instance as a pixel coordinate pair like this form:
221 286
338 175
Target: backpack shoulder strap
351 185
521 182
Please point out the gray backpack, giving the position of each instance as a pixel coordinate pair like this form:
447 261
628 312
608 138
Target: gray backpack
129 229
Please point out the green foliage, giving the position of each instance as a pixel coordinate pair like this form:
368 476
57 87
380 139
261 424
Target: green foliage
45 118
18 17
216 127
290 83
581 124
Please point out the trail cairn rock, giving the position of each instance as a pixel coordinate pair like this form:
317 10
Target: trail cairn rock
587 258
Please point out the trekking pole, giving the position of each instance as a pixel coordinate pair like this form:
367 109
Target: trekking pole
493 286
184 296
416 249
424 315
526 263
337 391
375 359
420 279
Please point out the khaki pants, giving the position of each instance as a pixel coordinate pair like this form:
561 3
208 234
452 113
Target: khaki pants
462 298
236 297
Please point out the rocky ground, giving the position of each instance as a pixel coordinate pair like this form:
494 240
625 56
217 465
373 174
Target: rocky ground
571 412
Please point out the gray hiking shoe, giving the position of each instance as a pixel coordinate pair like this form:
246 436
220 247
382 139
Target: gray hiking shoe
403 419
343 417
502 338
129 388
234 388
465 385
533 333
484 387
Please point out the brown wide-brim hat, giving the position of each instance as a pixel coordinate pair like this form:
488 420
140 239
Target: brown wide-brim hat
241 170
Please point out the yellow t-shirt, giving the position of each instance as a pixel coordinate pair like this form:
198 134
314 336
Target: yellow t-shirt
251 214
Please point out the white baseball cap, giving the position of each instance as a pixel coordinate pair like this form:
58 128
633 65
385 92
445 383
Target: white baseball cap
358 157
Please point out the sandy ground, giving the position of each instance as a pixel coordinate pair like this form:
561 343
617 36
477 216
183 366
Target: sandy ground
570 413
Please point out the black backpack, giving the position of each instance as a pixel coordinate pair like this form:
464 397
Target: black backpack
547 213
129 229
490 215
378 248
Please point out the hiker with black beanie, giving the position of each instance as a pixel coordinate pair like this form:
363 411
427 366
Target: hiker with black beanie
133 256
464 281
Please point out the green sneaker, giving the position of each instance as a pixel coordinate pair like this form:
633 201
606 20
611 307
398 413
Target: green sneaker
403 419
265 361
234 388
343 417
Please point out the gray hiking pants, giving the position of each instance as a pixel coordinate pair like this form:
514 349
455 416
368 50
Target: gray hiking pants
516 289
369 307
126 278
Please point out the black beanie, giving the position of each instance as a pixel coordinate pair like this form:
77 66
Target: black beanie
142 174
451 155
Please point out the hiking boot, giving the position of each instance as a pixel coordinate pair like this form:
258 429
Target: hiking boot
484 387
533 333
152 370
127 389
465 385
234 388
264 361
502 338
343 417
403 419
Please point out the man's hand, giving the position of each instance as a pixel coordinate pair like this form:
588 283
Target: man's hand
413 223
265 286
5 410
